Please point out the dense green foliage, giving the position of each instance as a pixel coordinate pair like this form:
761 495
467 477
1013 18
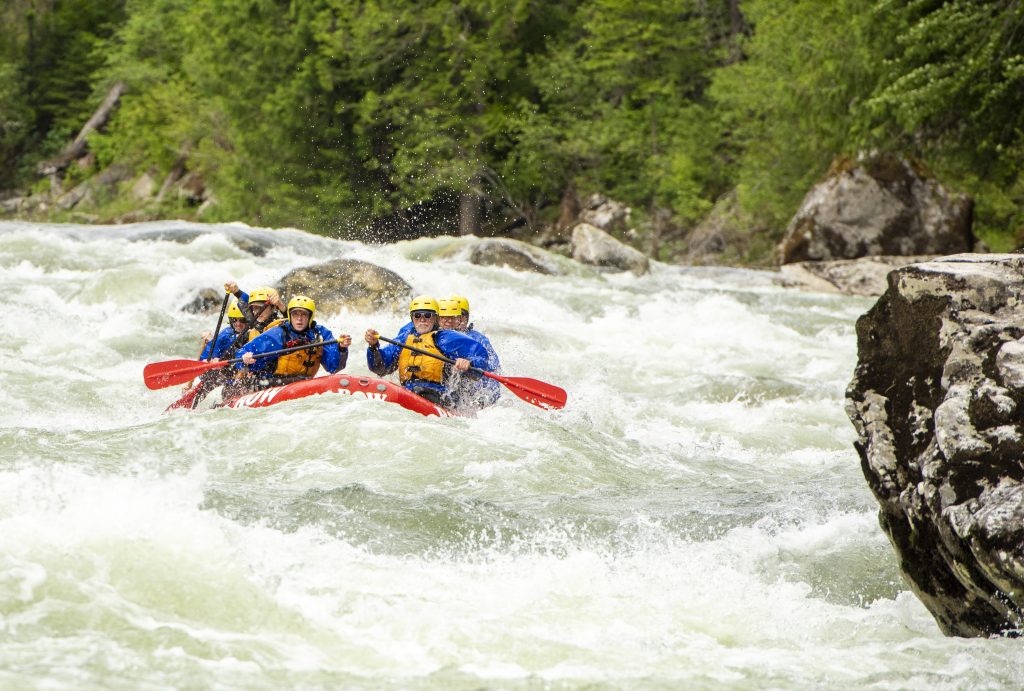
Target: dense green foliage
332 114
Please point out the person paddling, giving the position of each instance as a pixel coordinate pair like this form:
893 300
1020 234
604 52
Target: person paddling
460 322
453 313
230 338
429 377
223 347
264 306
298 329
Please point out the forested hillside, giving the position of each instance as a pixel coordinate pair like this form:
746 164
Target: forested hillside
386 118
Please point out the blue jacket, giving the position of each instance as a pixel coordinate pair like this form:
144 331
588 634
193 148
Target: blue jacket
334 358
220 345
452 344
488 385
492 355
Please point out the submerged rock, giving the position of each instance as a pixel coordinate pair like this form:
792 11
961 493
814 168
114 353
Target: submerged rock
206 300
936 399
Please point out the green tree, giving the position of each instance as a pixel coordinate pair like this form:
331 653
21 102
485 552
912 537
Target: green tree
792 106
623 107
951 94
49 51
441 83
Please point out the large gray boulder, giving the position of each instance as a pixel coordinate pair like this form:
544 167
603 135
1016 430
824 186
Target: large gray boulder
937 399
350 284
880 205
591 245
513 254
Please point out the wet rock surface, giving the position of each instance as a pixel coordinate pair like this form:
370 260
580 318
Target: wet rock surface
878 205
591 245
349 284
936 400
866 277
513 254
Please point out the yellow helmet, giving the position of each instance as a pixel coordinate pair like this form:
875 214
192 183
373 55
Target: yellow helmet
462 302
264 294
448 308
234 312
423 302
301 302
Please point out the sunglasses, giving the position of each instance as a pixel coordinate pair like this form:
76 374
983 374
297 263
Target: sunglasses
422 315
257 306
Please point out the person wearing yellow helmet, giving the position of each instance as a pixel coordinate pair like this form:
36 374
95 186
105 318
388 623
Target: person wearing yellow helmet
447 313
454 314
435 380
263 307
231 337
462 319
299 329
223 347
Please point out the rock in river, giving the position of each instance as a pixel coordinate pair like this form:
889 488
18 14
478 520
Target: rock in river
937 399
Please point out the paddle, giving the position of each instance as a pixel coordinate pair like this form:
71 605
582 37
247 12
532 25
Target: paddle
191 397
538 393
220 320
188 399
159 375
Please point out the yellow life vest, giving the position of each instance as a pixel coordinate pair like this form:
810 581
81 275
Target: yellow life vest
415 366
253 333
301 363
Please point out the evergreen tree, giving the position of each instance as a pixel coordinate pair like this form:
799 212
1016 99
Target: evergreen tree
952 94
791 107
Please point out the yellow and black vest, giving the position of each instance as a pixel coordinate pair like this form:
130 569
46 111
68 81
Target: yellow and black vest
415 366
301 363
253 333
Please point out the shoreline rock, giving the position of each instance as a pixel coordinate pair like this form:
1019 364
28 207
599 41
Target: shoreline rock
880 204
864 277
937 400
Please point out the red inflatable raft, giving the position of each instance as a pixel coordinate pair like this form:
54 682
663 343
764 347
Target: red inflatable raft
345 385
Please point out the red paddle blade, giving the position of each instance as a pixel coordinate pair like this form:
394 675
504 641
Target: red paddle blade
160 375
538 393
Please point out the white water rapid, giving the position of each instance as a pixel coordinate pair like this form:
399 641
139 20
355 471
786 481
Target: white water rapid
694 518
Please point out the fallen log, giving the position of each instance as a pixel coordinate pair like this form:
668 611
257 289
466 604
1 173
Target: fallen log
77 147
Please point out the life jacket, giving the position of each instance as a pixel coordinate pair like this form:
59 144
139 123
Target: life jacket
301 363
258 329
413 366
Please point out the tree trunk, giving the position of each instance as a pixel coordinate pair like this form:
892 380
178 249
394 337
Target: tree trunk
469 213
77 147
737 26
569 207
175 174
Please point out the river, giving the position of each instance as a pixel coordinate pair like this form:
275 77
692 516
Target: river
695 517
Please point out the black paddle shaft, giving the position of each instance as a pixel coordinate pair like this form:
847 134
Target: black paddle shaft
315 344
220 320
414 349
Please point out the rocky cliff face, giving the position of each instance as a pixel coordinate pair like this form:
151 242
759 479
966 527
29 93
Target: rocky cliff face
937 399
